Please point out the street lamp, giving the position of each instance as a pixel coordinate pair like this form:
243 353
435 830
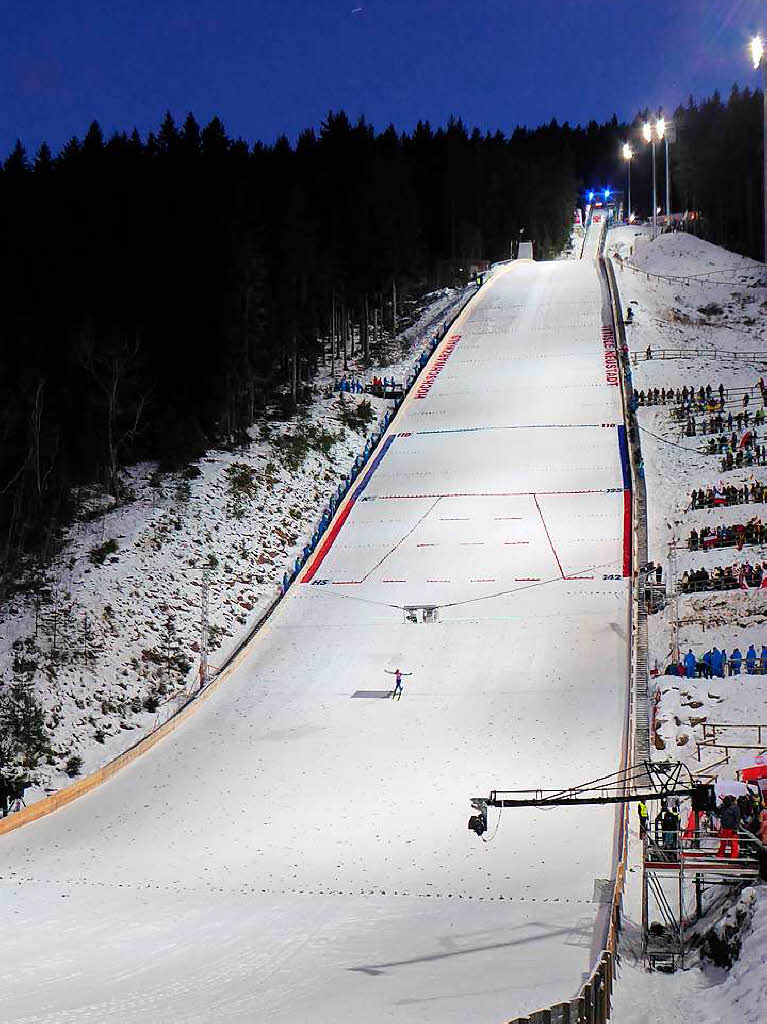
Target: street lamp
649 136
627 155
666 132
661 131
758 57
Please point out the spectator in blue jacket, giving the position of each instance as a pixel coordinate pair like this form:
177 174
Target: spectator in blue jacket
751 660
708 668
717 662
763 660
690 664
736 659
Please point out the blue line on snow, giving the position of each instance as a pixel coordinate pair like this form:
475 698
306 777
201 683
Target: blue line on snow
372 468
623 448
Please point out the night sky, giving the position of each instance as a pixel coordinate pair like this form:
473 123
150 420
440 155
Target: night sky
273 66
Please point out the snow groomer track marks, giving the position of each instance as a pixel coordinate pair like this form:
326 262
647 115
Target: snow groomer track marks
290 854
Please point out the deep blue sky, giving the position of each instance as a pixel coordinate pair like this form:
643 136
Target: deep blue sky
273 66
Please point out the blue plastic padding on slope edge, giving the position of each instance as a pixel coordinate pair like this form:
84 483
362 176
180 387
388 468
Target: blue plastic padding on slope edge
373 466
624 450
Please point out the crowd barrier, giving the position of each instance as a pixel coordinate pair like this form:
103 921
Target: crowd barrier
687 353
724 275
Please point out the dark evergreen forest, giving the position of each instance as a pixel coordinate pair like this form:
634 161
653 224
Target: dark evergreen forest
158 293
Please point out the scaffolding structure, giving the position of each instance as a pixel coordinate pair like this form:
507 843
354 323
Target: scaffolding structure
690 861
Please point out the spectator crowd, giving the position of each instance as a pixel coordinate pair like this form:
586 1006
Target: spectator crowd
731 577
737 820
734 536
730 494
706 399
716 663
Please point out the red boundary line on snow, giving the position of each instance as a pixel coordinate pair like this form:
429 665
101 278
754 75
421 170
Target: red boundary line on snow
330 537
627 533
352 495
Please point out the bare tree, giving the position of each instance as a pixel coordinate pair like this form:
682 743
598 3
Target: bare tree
108 370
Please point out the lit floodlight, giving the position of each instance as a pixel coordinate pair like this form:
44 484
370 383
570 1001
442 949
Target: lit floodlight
647 131
660 127
757 51
627 152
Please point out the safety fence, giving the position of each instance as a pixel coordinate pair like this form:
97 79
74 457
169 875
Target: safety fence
68 794
709 745
725 275
755 737
710 729
688 353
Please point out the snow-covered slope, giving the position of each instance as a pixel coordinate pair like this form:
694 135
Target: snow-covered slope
678 254
109 637
298 850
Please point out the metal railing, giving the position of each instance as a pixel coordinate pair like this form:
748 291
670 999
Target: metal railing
727 747
725 275
711 728
707 770
687 353
687 846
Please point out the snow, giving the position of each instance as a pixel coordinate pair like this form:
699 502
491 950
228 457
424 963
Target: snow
677 311
294 852
175 524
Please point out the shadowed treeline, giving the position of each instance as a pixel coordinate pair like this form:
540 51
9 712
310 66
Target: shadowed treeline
158 291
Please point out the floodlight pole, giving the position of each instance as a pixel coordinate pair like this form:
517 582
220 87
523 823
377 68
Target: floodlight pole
654 193
668 185
649 133
759 58
627 155
764 149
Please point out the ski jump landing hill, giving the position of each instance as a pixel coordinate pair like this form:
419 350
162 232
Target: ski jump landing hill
297 850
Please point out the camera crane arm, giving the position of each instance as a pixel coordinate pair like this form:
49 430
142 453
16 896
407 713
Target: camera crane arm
648 781
494 800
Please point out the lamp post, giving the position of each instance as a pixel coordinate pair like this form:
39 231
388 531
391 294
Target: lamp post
662 133
758 57
649 136
627 155
666 130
